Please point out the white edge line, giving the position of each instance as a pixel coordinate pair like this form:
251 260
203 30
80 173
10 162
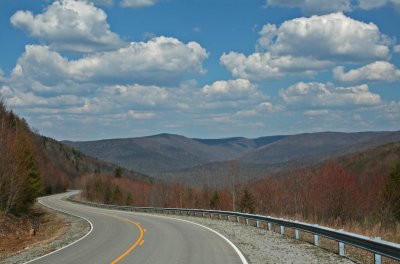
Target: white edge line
237 250
90 231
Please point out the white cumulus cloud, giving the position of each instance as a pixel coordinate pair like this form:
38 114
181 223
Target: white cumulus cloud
230 89
70 25
308 45
161 61
329 37
376 71
316 95
259 66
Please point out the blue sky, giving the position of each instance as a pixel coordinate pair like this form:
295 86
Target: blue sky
84 70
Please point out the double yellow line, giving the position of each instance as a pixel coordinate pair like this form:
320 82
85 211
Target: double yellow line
139 241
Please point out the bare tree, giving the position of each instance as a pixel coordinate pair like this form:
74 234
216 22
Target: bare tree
234 178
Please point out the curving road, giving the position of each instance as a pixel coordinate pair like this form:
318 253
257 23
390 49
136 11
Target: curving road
125 237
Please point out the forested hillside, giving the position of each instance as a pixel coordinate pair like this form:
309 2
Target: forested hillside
178 158
21 180
33 165
359 192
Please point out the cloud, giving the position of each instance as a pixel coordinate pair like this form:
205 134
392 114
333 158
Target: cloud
316 96
137 3
2 77
107 3
376 71
334 37
160 61
319 112
70 25
371 4
231 89
308 45
20 99
138 95
132 114
310 7
259 66
246 113
39 63
396 48
314 6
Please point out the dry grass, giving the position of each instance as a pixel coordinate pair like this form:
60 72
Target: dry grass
16 233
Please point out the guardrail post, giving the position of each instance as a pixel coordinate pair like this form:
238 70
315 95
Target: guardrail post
316 240
282 230
258 223
269 226
378 258
297 234
247 221
202 215
342 249
238 219
219 217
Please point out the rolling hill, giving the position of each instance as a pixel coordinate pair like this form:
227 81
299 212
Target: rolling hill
175 157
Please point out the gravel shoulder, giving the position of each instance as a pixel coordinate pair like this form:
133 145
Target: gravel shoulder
263 246
73 229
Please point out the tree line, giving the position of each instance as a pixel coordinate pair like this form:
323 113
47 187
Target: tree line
20 179
334 194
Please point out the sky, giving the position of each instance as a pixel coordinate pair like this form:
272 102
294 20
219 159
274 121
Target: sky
87 70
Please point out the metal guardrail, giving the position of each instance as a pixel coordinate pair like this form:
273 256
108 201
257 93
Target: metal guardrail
375 245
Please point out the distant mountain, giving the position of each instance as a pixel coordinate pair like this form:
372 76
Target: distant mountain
157 154
73 163
193 160
318 146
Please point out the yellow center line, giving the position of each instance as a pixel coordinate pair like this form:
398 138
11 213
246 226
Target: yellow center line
139 240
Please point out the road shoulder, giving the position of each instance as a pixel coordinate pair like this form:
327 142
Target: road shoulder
262 246
67 230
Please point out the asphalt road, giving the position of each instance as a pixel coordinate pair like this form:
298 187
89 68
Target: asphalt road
125 237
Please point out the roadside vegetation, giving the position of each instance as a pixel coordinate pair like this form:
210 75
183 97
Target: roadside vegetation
359 193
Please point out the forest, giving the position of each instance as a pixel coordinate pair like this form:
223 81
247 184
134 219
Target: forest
32 165
20 178
360 193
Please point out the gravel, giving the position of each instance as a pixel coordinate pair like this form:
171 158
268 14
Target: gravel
77 228
262 246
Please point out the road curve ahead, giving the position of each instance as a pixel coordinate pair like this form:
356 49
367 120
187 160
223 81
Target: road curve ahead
125 237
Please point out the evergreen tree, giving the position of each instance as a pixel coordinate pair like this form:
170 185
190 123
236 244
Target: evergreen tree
214 201
128 199
118 172
247 202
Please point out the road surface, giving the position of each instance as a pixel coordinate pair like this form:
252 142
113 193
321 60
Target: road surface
125 237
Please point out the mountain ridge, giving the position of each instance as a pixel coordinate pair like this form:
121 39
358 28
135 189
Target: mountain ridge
179 157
